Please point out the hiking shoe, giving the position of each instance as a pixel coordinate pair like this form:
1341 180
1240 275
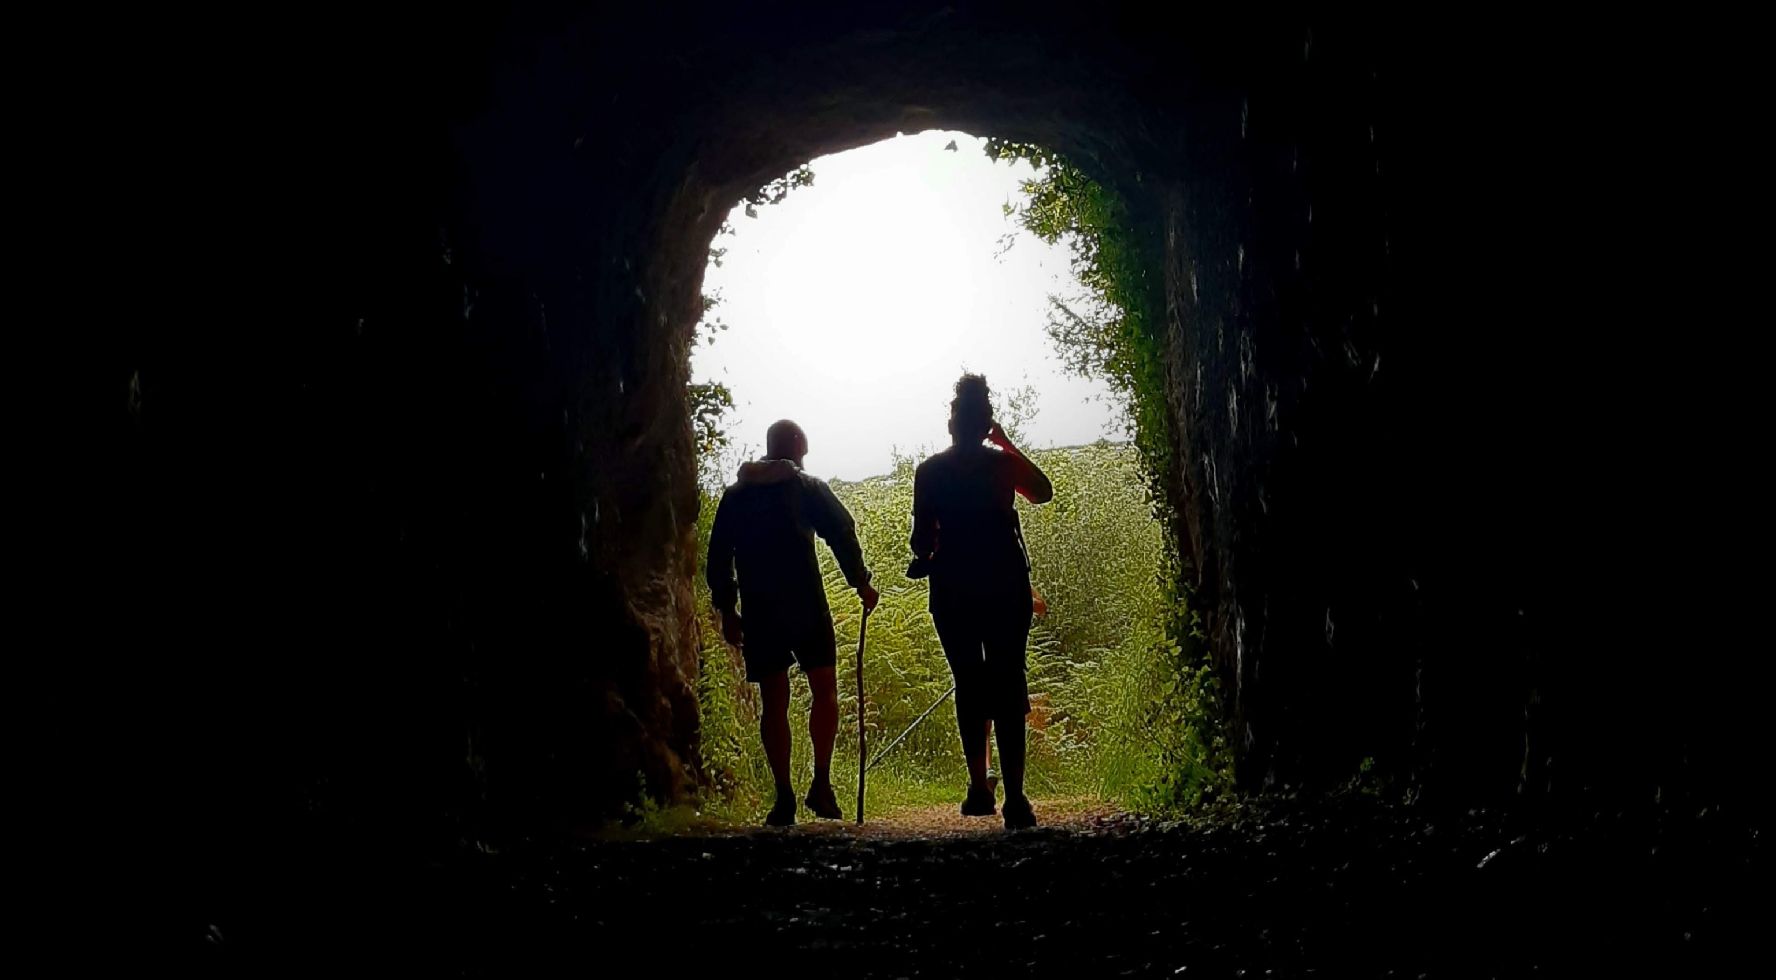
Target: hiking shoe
979 802
1019 815
822 802
783 813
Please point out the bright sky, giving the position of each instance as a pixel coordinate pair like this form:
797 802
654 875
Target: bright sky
855 303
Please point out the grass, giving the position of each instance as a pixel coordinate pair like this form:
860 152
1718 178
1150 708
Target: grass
1123 711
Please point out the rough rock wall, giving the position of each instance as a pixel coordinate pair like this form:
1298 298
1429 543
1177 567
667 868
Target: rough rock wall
419 520
1416 430
436 484
1297 332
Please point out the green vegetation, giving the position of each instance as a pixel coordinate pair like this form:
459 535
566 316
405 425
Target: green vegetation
1126 707
1116 332
1098 658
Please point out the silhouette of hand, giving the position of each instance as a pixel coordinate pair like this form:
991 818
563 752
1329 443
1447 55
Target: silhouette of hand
870 596
731 627
997 436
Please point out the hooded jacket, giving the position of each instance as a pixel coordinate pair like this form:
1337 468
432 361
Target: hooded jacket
764 531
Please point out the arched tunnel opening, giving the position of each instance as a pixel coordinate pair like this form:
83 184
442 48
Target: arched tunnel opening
850 294
421 524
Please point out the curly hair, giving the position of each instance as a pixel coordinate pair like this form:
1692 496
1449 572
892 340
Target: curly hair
971 413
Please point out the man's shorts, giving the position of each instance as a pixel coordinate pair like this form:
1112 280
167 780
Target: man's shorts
770 643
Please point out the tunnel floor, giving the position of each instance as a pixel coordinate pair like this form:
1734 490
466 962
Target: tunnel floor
1344 887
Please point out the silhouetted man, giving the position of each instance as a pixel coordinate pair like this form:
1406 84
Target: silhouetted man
765 529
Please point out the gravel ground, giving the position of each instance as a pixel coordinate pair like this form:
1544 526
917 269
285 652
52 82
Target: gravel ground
1342 887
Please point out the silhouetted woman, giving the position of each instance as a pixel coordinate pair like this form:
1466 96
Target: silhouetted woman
966 535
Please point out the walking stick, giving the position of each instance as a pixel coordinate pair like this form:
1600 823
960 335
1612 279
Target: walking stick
862 770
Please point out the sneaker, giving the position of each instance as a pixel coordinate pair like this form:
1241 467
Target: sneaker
783 813
979 802
1019 815
822 802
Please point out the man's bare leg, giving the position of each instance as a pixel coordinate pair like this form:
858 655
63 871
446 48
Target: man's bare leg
823 729
774 732
823 720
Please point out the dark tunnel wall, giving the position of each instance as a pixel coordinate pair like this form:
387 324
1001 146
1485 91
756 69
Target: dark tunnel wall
419 522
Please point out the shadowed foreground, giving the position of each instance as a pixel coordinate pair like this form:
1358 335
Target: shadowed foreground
1350 887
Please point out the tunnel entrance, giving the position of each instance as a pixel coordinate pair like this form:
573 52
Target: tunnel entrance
390 531
852 302
461 395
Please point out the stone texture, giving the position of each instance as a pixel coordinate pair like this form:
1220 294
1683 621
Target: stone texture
417 518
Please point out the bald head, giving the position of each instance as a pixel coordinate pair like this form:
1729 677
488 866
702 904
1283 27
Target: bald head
785 440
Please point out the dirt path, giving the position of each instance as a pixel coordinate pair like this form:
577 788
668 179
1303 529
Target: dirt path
1076 814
